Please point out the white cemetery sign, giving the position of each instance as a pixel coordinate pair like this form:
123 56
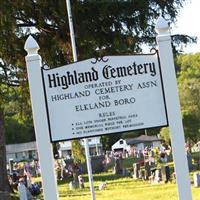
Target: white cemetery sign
102 96
113 94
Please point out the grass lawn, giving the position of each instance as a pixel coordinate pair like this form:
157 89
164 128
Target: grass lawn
119 188
122 188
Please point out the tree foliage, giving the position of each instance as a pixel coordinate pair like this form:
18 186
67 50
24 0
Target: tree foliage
17 115
189 88
164 134
77 152
188 66
108 141
111 27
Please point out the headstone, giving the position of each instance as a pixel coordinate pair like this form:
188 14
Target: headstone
165 173
81 182
136 169
125 172
118 165
157 176
147 170
22 190
97 163
142 174
75 179
73 185
11 163
102 186
189 159
196 178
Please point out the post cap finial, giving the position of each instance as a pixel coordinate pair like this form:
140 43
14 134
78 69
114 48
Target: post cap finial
31 46
162 26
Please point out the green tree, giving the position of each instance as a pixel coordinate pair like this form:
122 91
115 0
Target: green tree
11 78
189 88
111 27
164 134
18 119
4 185
77 152
108 140
13 120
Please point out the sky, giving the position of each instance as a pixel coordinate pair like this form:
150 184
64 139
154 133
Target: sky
188 23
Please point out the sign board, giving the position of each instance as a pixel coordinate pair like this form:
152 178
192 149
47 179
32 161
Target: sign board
101 96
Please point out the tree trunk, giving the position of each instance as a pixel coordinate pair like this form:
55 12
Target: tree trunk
4 184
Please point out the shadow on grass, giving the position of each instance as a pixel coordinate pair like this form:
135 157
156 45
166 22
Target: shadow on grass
106 177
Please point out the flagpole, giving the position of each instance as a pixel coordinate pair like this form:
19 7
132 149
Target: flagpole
71 28
87 152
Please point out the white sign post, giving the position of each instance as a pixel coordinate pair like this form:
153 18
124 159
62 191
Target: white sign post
33 62
173 110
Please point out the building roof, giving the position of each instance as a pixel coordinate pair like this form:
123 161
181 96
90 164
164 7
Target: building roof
22 147
142 139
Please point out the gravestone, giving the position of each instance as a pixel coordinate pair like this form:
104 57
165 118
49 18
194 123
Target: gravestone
118 169
165 173
142 174
136 169
125 172
97 163
196 178
22 190
75 179
157 176
81 182
71 185
11 165
189 159
147 170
